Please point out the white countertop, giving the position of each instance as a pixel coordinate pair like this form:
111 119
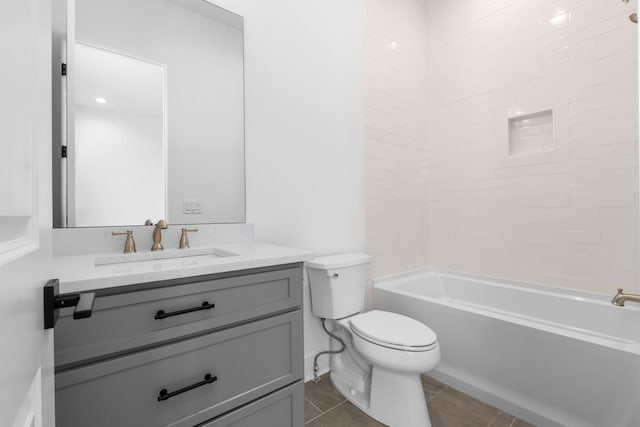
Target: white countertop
78 273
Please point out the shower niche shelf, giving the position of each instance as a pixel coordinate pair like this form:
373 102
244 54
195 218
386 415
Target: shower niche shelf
531 133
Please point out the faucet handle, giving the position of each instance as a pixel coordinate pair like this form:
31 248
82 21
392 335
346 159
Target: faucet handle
129 243
184 239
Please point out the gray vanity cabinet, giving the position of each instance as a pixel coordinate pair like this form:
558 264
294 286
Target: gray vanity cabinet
282 408
226 369
127 317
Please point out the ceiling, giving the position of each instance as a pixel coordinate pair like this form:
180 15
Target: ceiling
129 85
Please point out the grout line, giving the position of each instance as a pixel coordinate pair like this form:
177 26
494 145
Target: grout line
313 404
438 392
334 407
325 412
313 419
494 420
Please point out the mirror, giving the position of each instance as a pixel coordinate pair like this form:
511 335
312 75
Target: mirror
150 113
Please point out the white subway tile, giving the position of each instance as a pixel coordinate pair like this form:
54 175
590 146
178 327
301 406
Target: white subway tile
441 188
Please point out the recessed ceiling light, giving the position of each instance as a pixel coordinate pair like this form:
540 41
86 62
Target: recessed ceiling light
100 100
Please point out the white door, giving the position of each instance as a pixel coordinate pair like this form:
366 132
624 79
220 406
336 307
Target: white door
26 349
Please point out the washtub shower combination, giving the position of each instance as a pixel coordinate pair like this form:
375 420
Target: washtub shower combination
548 355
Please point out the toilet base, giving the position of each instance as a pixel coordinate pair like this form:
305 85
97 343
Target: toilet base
397 400
392 399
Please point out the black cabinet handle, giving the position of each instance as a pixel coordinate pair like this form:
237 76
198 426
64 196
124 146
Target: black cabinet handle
165 395
162 315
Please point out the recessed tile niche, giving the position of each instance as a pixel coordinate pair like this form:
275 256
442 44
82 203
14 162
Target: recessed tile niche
531 133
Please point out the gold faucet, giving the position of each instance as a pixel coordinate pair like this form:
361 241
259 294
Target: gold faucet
184 239
129 244
620 298
157 235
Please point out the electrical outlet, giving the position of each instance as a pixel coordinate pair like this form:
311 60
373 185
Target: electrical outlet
191 206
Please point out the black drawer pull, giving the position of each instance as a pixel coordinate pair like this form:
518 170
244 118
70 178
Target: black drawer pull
165 395
162 315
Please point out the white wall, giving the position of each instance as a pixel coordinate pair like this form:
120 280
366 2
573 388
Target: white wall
119 166
396 117
304 128
566 217
443 189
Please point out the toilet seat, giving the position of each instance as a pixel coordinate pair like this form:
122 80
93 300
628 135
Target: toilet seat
393 331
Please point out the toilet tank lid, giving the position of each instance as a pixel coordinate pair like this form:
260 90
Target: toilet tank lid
338 261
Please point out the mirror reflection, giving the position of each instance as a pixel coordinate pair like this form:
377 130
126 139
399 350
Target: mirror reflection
154 114
119 138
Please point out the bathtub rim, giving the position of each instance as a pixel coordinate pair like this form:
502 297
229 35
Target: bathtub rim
385 282
390 284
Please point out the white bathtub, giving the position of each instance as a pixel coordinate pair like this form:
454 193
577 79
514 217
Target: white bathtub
548 355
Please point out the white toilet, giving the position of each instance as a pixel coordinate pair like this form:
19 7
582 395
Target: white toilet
379 370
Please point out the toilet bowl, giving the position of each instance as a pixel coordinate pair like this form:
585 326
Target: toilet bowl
395 342
385 353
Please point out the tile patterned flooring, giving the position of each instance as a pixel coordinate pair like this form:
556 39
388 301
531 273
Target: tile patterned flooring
324 406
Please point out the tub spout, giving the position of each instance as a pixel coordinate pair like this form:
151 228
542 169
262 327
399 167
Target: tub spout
620 298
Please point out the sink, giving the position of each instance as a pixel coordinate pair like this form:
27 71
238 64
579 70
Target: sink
166 254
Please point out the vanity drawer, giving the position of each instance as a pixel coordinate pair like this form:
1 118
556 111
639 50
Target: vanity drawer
284 408
248 361
130 320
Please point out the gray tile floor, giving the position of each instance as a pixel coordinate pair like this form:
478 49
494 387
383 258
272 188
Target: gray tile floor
325 407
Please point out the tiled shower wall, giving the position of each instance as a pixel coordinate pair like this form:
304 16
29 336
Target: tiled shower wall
396 110
565 215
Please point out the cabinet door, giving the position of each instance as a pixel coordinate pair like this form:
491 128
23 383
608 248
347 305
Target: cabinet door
284 408
125 321
247 362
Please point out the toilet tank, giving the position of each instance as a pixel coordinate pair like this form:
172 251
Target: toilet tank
338 284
